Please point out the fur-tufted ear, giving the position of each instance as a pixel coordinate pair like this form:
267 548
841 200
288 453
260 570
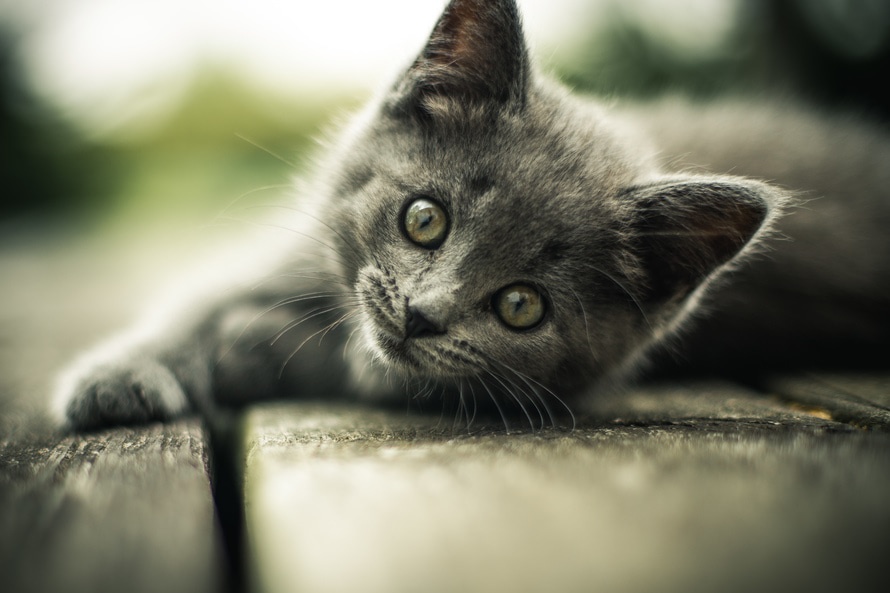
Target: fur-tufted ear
684 230
476 54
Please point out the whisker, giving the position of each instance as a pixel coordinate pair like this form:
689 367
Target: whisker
526 378
553 417
258 316
323 223
348 340
537 398
348 244
586 324
364 369
460 405
422 392
331 278
228 207
268 151
444 403
430 387
533 397
497 405
472 419
338 323
518 401
626 291
299 299
354 262
323 330
300 320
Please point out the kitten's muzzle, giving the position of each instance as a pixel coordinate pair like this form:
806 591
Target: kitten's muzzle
418 324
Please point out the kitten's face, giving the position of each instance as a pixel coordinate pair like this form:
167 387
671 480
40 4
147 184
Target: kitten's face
492 246
494 228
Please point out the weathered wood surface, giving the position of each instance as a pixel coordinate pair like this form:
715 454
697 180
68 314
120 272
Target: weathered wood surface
122 510
707 488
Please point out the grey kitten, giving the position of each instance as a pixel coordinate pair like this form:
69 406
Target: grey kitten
480 232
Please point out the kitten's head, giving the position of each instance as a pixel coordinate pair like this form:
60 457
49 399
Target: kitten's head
495 227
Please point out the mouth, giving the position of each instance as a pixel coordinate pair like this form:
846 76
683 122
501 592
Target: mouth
429 358
410 357
392 350
397 351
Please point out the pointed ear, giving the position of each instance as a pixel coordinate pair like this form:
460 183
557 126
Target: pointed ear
476 54
685 230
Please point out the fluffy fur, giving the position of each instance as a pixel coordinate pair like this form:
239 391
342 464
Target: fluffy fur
609 214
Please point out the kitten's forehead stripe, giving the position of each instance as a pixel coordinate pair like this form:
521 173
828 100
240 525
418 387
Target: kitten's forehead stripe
481 184
554 249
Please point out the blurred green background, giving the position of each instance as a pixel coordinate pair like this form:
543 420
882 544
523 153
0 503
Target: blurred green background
117 112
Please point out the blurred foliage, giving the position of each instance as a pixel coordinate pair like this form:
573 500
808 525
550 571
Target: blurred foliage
224 141
833 52
43 162
220 142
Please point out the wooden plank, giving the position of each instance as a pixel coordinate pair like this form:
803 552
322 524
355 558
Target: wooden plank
128 509
857 399
709 404
353 499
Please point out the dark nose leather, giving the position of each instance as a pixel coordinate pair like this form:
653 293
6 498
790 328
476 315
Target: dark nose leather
418 325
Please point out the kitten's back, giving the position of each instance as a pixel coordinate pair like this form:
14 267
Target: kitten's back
820 293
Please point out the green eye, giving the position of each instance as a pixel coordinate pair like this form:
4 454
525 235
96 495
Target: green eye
519 306
425 223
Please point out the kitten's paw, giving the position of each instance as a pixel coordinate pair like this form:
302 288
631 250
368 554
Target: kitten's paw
126 392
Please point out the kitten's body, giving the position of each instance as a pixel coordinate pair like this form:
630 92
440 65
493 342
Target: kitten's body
547 199
820 295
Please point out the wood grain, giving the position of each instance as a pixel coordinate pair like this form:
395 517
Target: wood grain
738 496
121 510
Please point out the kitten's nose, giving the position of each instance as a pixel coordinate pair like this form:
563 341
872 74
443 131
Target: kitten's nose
418 325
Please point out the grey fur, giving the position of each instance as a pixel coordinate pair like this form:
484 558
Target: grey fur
541 188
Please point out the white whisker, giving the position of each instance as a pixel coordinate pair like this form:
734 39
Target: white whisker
324 331
306 317
626 291
508 391
497 405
